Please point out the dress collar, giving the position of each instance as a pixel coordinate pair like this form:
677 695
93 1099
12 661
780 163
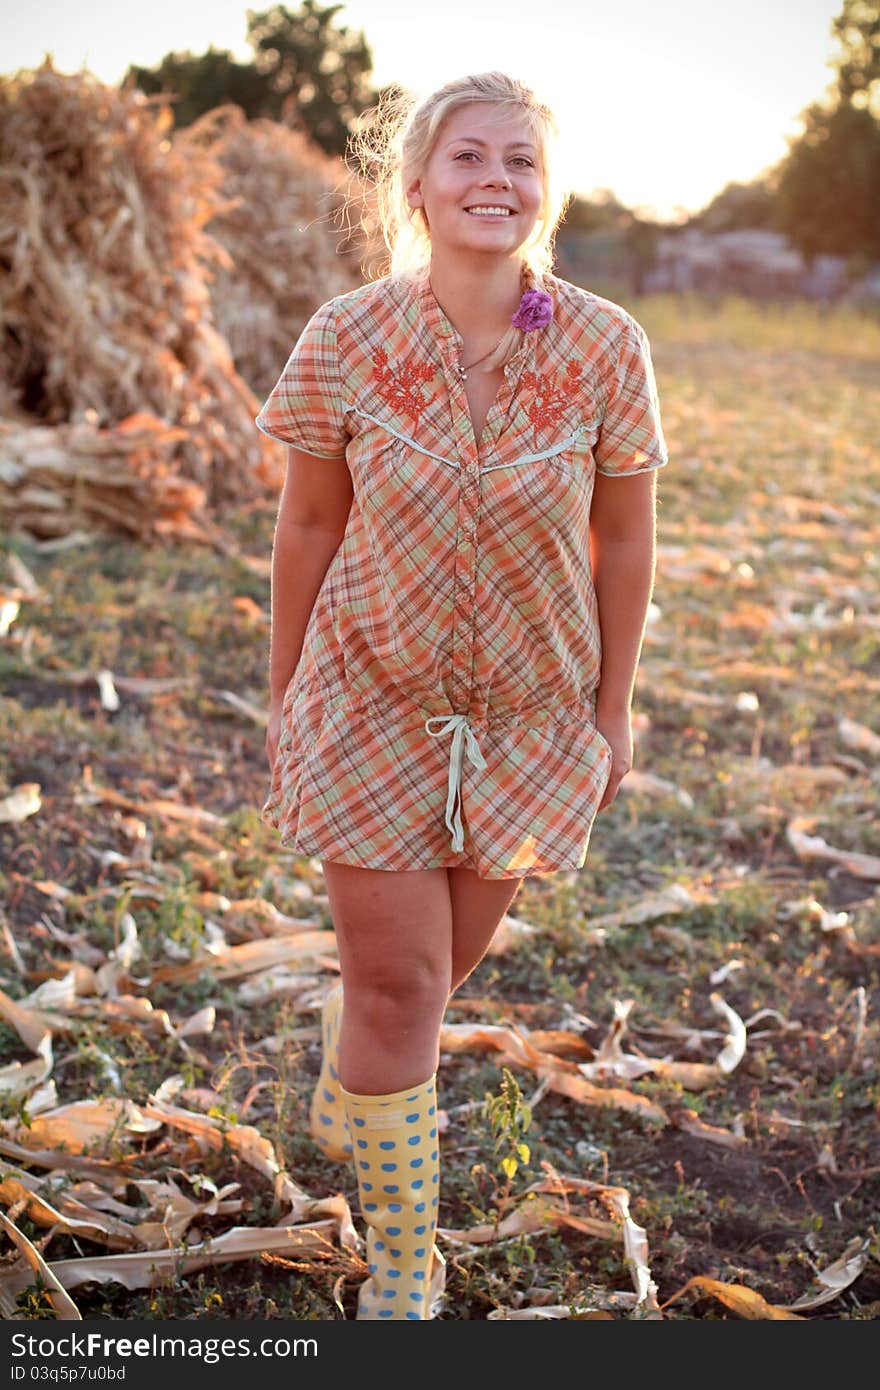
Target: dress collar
443 329
432 313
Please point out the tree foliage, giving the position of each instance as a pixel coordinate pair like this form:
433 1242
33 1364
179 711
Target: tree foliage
308 72
317 71
738 206
828 186
828 195
198 84
857 28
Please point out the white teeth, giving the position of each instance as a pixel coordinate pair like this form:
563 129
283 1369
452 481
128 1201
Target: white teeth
489 212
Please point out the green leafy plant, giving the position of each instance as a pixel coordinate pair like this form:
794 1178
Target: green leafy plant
508 1118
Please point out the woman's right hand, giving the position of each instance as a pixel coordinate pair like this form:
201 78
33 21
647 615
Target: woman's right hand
273 733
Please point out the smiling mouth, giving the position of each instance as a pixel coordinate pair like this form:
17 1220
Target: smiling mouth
490 210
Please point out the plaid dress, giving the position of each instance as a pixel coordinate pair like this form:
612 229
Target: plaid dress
442 711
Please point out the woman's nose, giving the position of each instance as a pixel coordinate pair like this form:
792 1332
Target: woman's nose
496 178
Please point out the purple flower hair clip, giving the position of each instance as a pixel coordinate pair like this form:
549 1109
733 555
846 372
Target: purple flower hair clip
535 311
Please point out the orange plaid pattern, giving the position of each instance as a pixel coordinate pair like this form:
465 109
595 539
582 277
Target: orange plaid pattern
443 708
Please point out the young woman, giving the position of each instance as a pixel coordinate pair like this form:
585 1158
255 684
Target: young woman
462 566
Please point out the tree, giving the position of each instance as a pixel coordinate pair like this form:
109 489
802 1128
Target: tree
858 68
828 185
318 72
828 192
198 84
599 211
308 72
738 206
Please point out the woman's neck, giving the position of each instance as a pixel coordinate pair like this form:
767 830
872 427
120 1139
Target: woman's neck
478 298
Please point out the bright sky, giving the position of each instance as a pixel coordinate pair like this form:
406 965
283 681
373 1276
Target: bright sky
662 101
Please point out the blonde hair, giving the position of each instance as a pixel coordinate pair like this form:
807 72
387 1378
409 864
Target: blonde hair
393 143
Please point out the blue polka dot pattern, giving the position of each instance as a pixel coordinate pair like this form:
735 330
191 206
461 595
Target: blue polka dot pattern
400 1222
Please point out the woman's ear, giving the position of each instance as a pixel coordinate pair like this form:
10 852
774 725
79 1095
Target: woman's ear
414 194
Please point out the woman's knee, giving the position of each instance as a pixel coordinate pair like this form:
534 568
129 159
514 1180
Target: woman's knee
393 999
394 935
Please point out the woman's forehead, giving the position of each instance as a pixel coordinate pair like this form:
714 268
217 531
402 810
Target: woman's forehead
489 123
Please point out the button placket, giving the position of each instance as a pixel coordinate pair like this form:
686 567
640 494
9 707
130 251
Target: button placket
465 607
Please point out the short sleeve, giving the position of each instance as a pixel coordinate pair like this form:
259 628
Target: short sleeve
631 436
305 406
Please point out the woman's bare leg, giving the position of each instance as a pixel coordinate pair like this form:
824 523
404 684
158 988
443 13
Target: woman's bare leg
394 934
478 905
406 942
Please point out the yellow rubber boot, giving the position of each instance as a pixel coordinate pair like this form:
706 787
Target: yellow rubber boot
396 1156
327 1120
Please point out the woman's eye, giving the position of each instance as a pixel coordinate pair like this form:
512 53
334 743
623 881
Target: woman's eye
522 160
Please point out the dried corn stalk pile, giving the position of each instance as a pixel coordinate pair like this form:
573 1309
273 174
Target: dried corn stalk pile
106 313
285 231
56 480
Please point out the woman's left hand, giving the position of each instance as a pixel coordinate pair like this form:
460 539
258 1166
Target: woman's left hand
615 726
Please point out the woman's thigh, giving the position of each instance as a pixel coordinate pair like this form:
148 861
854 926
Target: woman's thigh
393 930
478 905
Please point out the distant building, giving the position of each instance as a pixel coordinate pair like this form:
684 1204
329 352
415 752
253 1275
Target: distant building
751 261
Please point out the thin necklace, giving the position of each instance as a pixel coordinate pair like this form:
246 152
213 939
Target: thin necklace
463 370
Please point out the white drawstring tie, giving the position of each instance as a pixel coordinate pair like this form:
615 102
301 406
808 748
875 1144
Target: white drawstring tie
463 741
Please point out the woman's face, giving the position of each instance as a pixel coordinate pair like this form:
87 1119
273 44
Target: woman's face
481 189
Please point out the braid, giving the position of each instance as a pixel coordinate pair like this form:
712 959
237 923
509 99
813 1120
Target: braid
514 337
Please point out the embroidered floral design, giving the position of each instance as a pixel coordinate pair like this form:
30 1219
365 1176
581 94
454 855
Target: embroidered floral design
551 400
401 387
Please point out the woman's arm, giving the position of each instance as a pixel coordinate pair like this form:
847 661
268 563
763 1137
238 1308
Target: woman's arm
312 516
622 558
